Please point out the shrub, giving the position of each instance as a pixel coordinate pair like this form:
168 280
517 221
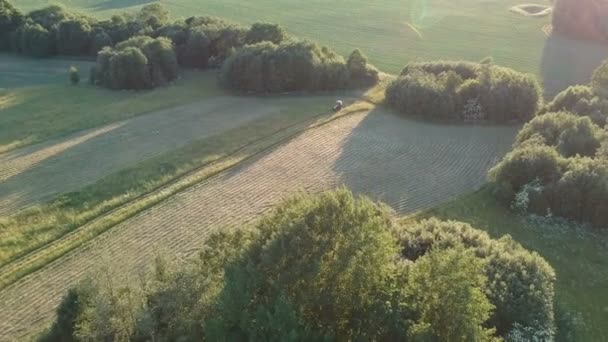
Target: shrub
140 62
599 80
100 39
289 66
526 164
571 135
265 32
74 75
74 37
580 100
10 20
361 73
464 90
582 192
520 283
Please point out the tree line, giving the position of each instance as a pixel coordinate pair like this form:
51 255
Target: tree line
330 267
264 57
559 163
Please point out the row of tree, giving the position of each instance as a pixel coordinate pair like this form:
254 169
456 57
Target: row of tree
559 164
464 91
324 268
271 61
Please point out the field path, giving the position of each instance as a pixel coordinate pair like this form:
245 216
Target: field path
37 173
410 165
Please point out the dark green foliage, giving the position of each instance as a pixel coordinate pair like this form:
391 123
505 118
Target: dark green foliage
10 19
100 39
464 91
69 313
50 17
34 40
580 100
566 154
289 66
74 75
572 135
196 50
331 267
448 289
582 192
520 283
361 73
265 32
74 37
154 15
526 164
599 80
138 63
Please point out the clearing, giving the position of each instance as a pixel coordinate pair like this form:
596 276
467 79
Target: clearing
421 164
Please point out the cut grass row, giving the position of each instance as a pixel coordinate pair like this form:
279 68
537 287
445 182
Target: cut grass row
36 237
34 114
579 258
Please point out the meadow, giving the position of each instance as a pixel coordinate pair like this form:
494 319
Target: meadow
95 173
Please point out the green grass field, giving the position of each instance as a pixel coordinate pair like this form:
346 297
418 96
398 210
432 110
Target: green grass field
394 32
34 114
444 29
579 258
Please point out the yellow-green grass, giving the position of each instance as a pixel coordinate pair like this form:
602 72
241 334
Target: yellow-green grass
43 229
579 258
391 32
37 113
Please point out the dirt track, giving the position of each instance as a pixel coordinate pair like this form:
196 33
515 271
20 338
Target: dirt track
410 165
33 174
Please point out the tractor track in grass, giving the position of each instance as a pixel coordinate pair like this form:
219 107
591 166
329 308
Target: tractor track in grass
408 164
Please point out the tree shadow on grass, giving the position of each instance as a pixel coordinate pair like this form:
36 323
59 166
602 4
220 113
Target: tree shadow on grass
567 62
414 165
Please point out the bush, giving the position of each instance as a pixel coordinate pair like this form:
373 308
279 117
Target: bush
196 49
74 75
580 100
462 90
138 63
10 20
289 66
265 32
520 283
361 73
599 80
571 135
581 193
525 164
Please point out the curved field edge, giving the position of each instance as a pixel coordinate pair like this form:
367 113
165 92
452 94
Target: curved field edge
102 222
580 258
